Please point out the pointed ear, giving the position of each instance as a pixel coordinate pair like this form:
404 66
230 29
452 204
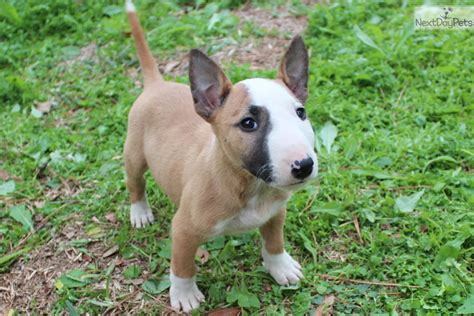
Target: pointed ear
294 69
209 85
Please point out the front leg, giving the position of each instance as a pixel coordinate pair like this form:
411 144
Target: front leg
184 293
282 267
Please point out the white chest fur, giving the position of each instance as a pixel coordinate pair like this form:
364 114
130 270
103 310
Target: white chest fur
257 212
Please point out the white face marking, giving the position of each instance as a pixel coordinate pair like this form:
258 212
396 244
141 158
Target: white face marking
290 139
257 212
283 268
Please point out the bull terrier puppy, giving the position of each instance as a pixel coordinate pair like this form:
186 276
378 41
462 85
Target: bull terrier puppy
228 155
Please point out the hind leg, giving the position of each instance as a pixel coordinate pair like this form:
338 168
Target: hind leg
135 166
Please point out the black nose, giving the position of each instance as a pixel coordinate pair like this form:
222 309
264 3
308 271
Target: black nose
302 169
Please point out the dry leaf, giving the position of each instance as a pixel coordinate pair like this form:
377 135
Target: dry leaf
325 308
44 107
386 226
111 251
170 66
234 311
357 227
111 218
71 188
70 234
137 281
203 255
424 229
95 220
39 204
4 175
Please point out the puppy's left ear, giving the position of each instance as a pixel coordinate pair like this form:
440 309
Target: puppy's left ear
209 85
294 69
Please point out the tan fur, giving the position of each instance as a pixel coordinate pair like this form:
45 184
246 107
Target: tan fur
149 67
272 233
282 76
189 159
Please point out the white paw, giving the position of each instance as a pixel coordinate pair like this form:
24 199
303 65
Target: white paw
141 214
184 294
282 267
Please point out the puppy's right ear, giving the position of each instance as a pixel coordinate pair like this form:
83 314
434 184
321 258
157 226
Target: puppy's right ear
209 85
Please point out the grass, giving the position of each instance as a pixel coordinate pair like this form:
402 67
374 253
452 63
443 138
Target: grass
393 109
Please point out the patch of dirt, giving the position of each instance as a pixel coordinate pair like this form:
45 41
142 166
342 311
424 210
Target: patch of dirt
32 277
30 285
88 52
260 52
263 52
69 188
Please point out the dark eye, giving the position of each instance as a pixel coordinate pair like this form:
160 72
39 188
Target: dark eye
248 124
301 113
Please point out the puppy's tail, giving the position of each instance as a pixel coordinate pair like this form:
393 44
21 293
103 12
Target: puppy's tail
150 70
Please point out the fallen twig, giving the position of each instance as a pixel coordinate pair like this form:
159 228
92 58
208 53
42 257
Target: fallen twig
357 227
310 202
341 279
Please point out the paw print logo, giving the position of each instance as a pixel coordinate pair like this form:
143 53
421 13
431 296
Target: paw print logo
446 11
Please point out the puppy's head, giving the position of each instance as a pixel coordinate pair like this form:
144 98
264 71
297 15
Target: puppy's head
261 124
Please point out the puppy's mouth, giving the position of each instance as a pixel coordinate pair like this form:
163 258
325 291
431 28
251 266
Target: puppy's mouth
294 185
288 187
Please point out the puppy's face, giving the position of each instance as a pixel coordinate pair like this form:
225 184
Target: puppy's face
261 124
